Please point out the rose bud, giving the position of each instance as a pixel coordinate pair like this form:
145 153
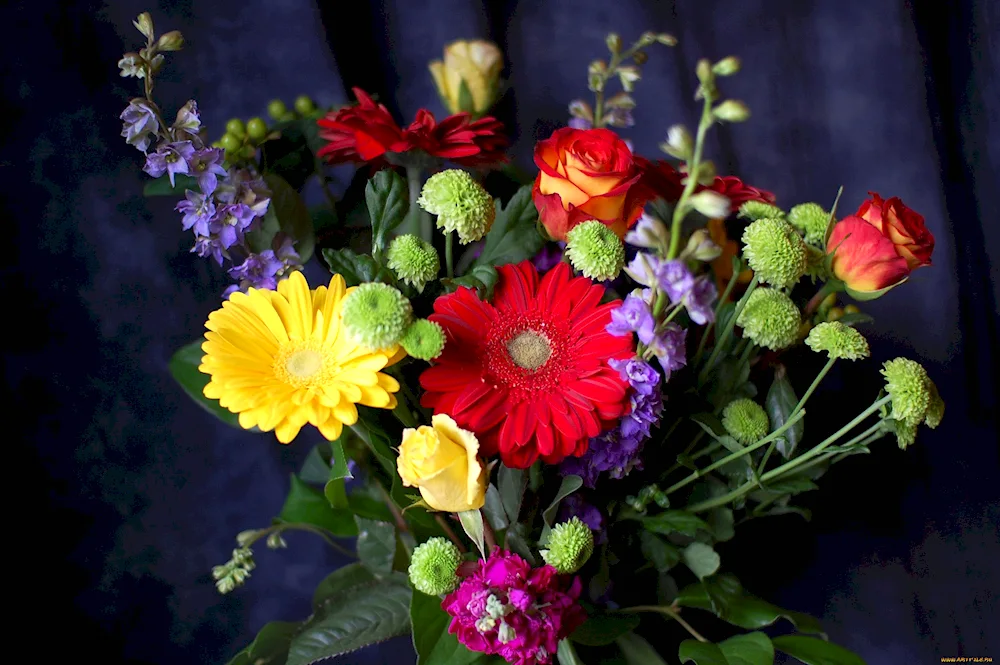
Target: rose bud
474 65
442 461
879 247
586 174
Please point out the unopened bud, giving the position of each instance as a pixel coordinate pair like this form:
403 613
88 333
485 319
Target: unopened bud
614 42
679 143
666 40
704 71
701 247
640 57
732 110
706 172
144 24
711 204
727 66
628 75
172 41
647 38
244 538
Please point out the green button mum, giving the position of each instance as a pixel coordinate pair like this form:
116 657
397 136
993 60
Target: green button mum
595 251
433 567
770 319
376 315
838 341
775 252
414 260
460 203
570 546
745 421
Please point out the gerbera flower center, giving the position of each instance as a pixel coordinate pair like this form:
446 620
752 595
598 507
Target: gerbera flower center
529 349
304 365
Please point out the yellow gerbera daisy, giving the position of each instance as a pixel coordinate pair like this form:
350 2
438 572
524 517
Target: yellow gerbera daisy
281 359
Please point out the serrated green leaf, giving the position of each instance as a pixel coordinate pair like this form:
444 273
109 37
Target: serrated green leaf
354 268
604 628
376 545
270 647
341 580
431 640
512 483
162 187
749 649
701 559
354 619
387 201
638 651
513 236
675 521
814 651
780 402
293 215
724 596
335 488
316 468
183 367
307 505
472 524
660 553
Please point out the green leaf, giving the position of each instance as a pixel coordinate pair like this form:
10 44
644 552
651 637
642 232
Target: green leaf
480 278
354 268
270 647
375 438
864 296
662 554
292 213
355 618
719 519
465 102
854 318
569 485
365 506
307 505
516 540
638 651
701 559
512 483
814 651
161 186
184 368
567 655
730 381
431 640
785 486
605 628
335 490
316 469
341 580
494 509
779 403
513 236
387 201
472 523
675 521
376 545
724 596
323 217
749 649
310 130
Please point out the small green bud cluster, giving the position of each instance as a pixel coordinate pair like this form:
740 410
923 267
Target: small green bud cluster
616 110
648 494
594 250
433 567
149 59
376 315
234 572
460 203
301 107
729 110
770 319
570 545
915 399
745 421
775 252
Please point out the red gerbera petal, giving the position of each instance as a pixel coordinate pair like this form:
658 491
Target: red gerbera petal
458 138
528 372
360 133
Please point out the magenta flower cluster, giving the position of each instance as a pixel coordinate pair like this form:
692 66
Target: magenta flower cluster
507 608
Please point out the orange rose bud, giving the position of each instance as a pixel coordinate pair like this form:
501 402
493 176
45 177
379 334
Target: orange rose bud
904 227
586 174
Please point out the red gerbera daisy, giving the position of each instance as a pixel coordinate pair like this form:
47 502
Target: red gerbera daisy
528 372
739 192
360 133
458 138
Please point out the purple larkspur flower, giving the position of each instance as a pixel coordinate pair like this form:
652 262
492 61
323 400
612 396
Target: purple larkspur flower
169 158
241 186
208 246
649 232
188 120
640 374
198 210
632 316
579 123
259 271
230 222
140 124
701 299
670 348
644 268
675 280
620 117
206 165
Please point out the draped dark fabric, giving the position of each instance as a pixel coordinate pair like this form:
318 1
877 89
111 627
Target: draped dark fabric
122 494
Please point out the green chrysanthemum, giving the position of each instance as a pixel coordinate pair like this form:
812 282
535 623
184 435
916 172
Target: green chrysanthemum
775 252
754 210
595 251
423 340
770 319
433 567
745 420
906 432
811 220
570 545
908 385
838 341
461 204
376 315
414 260
935 410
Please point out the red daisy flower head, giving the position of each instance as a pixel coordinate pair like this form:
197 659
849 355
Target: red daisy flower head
739 192
528 372
458 138
360 133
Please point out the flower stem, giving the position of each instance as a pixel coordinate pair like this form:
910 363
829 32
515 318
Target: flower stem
711 324
721 340
448 531
692 179
299 526
669 611
832 286
488 536
423 224
448 249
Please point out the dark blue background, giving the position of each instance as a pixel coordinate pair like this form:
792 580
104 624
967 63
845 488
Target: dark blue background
123 493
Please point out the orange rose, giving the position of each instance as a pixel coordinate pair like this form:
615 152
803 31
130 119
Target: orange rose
586 174
904 227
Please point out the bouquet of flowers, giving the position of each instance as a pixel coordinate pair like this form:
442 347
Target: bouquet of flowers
542 411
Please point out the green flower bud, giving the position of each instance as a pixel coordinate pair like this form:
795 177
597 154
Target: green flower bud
460 203
745 420
679 143
775 252
172 41
276 109
376 315
754 210
908 385
414 260
505 633
234 572
595 250
570 545
236 127
423 340
838 340
231 143
711 204
727 66
433 567
811 220
144 24
304 105
701 247
770 319
256 128
732 110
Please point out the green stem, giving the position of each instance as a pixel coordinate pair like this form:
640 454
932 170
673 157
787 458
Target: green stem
711 324
300 526
694 442
669 611
692 179
721 340
448 531
734 456
448 249
423 226
873 433
829 287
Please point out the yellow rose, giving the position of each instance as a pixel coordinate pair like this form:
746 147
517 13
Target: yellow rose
442 461
475 63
